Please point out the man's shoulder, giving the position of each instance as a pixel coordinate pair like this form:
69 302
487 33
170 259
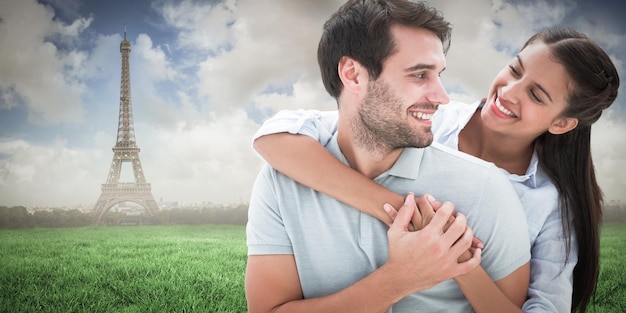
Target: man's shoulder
463 159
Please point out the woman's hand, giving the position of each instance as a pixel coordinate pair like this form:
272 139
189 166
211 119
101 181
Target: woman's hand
426 207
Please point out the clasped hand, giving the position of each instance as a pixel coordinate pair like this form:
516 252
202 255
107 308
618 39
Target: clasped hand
429 242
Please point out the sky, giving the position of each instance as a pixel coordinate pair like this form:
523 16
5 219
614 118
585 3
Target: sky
206 74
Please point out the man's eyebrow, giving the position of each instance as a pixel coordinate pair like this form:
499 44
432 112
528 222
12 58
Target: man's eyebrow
422 66
538 85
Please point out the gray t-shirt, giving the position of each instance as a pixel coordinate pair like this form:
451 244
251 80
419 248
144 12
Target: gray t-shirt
335 245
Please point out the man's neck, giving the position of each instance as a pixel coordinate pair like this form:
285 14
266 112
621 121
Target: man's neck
369 161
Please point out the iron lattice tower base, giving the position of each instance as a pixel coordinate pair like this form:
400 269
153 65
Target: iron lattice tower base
115 192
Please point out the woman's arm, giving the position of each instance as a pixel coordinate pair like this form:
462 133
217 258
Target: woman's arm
505 295
306 161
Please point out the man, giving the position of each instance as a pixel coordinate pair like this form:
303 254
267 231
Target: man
308 252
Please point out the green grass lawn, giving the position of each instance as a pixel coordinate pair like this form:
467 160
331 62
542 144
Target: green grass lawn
172 269
611 289
123 269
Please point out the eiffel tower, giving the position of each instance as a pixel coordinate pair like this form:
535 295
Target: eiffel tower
125 150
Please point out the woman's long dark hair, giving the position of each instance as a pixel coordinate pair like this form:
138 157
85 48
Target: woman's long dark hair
567 157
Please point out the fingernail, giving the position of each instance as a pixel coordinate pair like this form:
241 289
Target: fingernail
408 198
387 207
430 197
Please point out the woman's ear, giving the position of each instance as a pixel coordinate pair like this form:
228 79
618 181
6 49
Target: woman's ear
352 75
562 125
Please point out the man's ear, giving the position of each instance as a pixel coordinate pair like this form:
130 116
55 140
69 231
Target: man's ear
562 125
352 75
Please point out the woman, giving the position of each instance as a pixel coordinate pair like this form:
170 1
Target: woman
535 125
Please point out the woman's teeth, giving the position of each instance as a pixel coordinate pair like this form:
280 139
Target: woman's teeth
503 109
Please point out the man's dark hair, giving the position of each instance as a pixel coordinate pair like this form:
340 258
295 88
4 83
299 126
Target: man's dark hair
361 30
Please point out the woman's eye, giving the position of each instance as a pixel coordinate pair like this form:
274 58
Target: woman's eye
534 96
514 70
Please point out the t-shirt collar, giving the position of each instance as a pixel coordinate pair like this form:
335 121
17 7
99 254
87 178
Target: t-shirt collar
407 166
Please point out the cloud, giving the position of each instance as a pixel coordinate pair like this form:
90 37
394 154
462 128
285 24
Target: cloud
35 74
609 154
303 95
472 60
151 61
48 175
201 161
201 26
255 46
156 84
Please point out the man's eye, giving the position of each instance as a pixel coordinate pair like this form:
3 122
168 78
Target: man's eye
420 75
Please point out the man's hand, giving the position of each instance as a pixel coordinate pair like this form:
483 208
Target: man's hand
430 255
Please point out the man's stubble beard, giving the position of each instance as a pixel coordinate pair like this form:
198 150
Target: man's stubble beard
381 124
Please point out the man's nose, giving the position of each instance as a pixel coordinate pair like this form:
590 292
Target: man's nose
438 94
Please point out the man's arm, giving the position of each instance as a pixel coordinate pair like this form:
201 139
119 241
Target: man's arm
417 261
272 285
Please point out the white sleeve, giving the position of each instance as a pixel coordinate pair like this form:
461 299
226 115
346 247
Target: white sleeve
319 125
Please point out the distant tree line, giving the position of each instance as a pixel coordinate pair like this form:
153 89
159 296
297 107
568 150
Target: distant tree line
20 217
614 211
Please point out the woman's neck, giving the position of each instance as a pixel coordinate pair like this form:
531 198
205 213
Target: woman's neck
507 153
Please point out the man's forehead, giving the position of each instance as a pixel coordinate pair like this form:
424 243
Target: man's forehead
416 47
